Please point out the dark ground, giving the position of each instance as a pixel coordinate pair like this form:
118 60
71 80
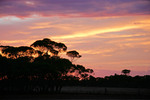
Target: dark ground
71 96
90 93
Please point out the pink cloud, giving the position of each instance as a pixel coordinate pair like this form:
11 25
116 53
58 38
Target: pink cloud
74 8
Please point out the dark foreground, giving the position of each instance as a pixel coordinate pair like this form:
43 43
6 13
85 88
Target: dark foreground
90 93
71 96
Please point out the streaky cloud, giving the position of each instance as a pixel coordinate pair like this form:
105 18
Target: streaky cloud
96 32
74 8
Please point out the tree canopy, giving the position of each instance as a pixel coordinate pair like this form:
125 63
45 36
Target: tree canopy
48 46
40 60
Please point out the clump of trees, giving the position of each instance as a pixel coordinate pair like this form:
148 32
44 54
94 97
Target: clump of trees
38 67
126 72
123 81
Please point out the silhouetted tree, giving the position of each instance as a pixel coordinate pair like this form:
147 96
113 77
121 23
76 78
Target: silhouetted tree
73 54
80 71
16 52
61 47
126 71
48 46
38 67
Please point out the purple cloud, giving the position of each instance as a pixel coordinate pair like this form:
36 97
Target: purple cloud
74 8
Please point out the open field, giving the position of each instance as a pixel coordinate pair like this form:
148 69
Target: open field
108 90
90 93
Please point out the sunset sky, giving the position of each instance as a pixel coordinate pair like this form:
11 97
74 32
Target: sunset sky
111 35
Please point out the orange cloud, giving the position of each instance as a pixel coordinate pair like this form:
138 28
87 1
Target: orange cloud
21 32
16 42
40 25
102 51
11 41
120 36
97 32
145 43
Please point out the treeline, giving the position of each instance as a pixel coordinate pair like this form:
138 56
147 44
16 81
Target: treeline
44 74
123 81
38 68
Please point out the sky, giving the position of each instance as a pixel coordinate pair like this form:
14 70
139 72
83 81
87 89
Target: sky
111 35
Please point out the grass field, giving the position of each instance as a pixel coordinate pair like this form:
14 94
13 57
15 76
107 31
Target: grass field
108 90
90 93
